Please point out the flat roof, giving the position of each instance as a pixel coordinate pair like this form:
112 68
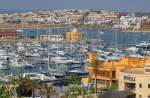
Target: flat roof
136 71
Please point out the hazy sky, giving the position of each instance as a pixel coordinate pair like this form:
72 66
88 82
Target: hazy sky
117 5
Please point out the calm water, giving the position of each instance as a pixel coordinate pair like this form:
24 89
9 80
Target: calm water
109 36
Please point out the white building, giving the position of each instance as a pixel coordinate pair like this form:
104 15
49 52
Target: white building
130 21
136 80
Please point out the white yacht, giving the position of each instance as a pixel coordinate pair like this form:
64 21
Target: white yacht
63 60
27 65
38 76
143 44
132 49
20 47
36 44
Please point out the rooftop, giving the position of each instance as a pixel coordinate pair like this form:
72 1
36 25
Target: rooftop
136 71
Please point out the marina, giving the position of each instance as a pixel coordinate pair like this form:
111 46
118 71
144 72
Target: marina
61 56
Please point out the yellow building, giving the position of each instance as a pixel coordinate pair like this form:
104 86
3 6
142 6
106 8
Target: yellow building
51 38
73 36
136 80
108 71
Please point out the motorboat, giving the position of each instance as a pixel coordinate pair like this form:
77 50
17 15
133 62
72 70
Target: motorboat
31 54
60 53
132 49
56 73
36 44
41 60
20 46
78 72
63 60
143 43
27 65
3 79
39 76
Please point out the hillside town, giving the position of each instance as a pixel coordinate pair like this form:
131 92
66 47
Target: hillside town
93 18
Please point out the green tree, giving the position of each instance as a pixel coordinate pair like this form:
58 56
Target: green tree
74 90
4 92
12 84
73 79
74 86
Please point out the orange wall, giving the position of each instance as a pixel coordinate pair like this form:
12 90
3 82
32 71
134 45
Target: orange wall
126 62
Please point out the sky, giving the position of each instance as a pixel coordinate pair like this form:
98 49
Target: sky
115 5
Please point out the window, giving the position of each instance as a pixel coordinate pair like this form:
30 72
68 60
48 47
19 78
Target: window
140 85
147 70
148 85
130 86
101 81
113 74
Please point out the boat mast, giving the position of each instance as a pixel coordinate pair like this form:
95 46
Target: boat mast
49 31
11 68
48 52
22 28
37 32
48 62
57 42
116 40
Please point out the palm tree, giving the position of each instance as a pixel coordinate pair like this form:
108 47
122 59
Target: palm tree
33 85
95 64
95 70
27 86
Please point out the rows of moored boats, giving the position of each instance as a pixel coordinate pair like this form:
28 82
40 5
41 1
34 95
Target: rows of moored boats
60 57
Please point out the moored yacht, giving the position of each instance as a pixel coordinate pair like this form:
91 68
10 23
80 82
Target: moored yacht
39 76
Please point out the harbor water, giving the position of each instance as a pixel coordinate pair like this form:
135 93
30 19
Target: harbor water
109 36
